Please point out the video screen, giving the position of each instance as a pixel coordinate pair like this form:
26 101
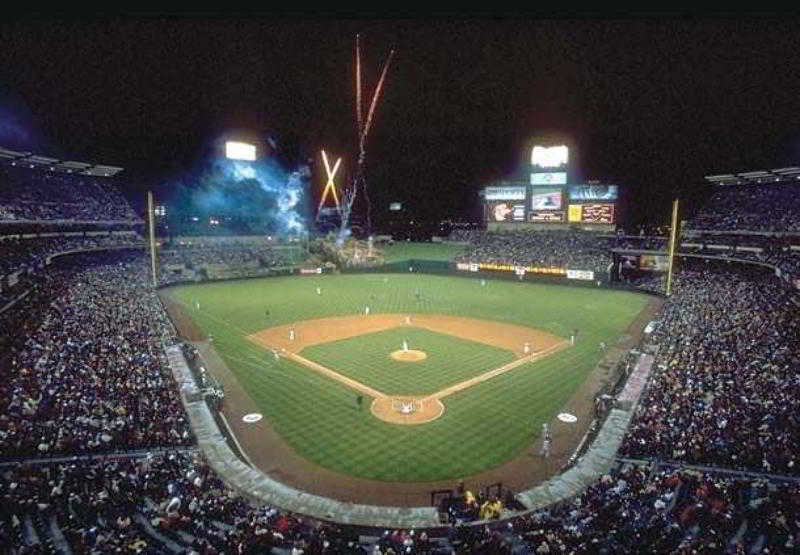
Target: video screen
505 212
546 199
593 192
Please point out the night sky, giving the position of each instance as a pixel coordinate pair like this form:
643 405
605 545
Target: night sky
653 105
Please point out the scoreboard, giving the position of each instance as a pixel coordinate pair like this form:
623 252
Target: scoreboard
542 193
547 205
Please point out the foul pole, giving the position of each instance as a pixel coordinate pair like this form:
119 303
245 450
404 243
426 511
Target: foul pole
673 245
151 228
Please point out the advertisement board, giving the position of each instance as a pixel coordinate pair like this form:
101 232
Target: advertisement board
597 213
546 217
580 274
504 193
549 178
546 199
574 213
653 262
511 268
593 192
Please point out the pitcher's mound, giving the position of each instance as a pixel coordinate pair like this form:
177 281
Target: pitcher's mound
410 355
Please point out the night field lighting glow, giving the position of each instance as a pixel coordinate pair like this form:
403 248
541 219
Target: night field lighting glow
240 151
549 157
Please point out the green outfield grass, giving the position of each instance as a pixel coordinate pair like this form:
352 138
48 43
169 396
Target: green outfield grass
481 427
366 358
421 251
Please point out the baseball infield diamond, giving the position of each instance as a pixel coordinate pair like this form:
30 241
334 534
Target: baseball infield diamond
314 427
348 350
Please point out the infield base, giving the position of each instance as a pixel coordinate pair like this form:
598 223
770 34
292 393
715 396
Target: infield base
411 355
407 410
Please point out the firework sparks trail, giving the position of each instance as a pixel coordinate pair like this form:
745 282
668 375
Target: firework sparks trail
374 103
330 185
358 86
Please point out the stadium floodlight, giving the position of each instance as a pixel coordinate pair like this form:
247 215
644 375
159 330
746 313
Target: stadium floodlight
549 157
235 150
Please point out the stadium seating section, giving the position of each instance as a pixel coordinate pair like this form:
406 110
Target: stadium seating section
97 455
35 195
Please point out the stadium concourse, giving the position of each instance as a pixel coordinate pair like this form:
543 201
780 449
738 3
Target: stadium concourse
98 455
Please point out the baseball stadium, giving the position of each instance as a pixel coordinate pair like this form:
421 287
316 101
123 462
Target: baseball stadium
219 339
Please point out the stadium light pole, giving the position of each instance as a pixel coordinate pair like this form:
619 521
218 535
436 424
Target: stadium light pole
151 228
673 240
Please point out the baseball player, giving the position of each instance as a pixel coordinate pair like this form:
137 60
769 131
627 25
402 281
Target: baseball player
546 443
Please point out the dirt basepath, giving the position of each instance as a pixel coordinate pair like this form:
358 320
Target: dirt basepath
511 337
270 452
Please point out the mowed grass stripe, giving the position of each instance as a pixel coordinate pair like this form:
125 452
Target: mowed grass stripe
482 427
366 358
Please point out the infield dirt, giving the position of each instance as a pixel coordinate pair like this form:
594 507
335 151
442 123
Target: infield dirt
324 330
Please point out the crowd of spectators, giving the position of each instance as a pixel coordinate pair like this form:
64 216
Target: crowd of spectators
161 503
19 253
230 254
574 250
173 502
84 374
90 377
221 259
635 509
725 389
761 207
39 194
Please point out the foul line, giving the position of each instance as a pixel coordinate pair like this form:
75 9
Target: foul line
491 373
336 375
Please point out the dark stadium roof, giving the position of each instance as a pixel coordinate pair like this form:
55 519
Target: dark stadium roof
35 160
760 176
